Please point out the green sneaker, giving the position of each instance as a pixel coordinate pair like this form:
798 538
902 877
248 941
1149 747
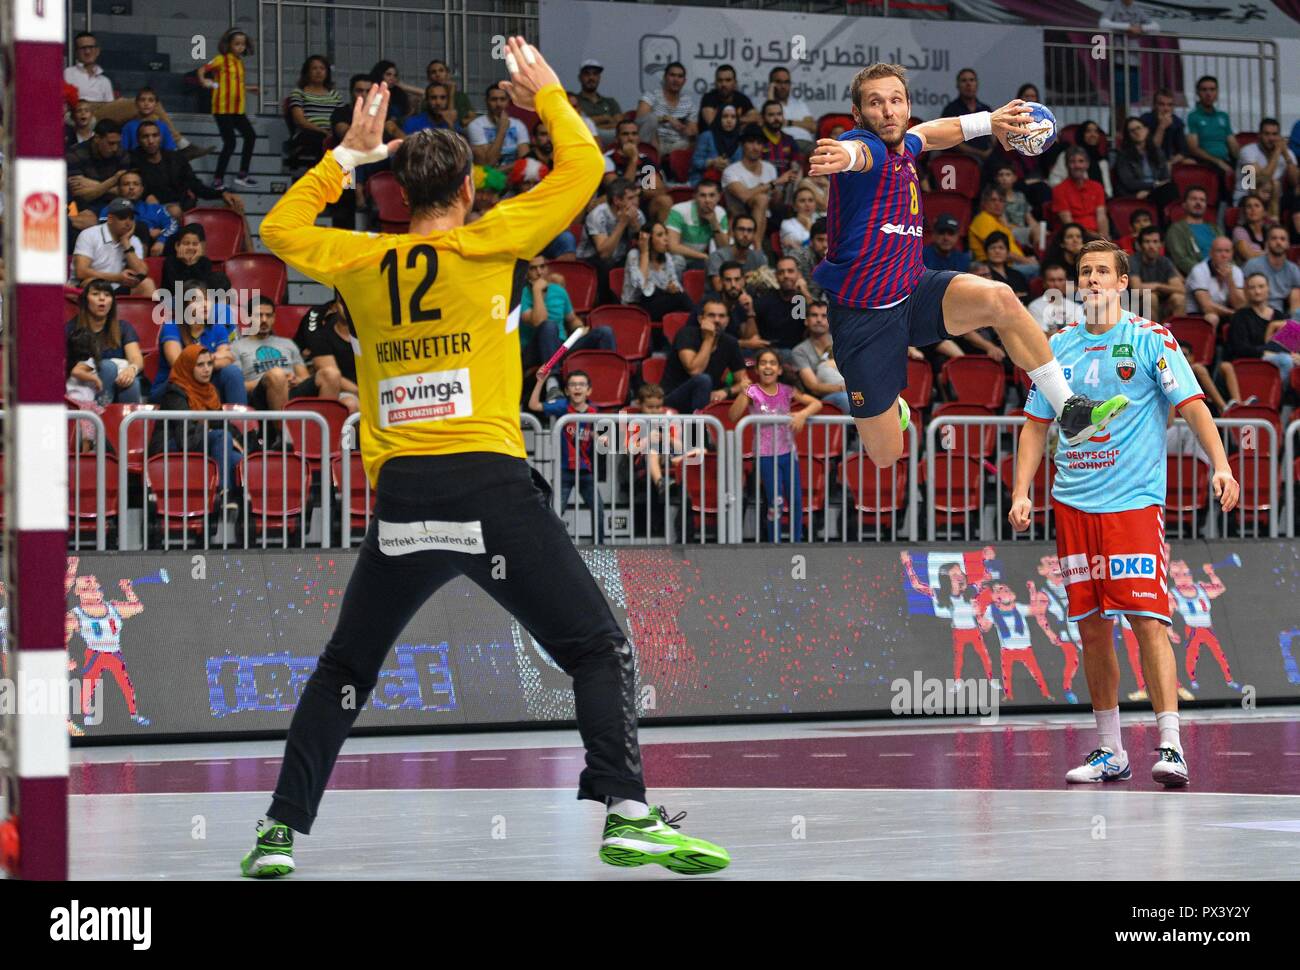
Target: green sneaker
1084 417
904 414
654 838
273 854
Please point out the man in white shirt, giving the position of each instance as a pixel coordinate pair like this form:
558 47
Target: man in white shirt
1053 310
1214 286
496 138
93 85
1268 158
748 183
111 251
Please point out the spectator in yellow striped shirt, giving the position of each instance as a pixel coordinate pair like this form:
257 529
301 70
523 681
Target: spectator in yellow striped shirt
224 74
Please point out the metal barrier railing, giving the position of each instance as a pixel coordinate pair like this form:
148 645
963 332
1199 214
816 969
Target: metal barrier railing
828 468
626 454
1290 452
78 515
1106 76
277 493
534 442
970 467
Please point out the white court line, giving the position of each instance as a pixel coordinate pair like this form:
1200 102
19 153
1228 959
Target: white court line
272 761
1236 754
963 754
760 756
205 762
1032 754
829 754
692 757
555 757
896 754
419 759
487 759
354 760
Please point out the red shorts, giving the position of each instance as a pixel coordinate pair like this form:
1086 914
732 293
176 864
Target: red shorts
1113 562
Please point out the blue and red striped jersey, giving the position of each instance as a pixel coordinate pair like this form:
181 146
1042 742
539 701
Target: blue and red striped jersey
874 227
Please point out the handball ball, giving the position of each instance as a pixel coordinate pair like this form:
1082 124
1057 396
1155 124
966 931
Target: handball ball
1041 134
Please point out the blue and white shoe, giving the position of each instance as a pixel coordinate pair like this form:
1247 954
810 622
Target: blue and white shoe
1102 765
1071 697
1171 769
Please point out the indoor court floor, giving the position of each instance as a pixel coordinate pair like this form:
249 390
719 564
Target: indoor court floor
917 798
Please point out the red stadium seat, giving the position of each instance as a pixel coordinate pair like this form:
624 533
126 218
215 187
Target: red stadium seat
1186 175
1230 215
310 447
693 284
919 392
138 311
1256 439
277 485
112 416
83 502
958 484
1262 379
953 172
682 193
1041 498
616 281
1293 254
953 204
1196 331
183 487
155 266
608 373
631 326
673 322
223 231
579 282
259 271
1187 488
649 151
1069 134
879 494
975 379
720 410
288 318
152 358
965 439
354 504
1174 212
679 164
394 213
1245 138
819 441
1120 213
1253 473
652 369
702 491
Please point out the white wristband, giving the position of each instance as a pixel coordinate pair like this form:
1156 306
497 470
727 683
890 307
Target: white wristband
976 125
350 158
854 148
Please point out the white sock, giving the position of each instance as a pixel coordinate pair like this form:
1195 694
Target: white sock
1108 728
1168 725
269 824
627 808
1051 383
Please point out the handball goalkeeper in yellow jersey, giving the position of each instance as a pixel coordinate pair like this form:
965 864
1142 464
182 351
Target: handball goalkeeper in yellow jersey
434 313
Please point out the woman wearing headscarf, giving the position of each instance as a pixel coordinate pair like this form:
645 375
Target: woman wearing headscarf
718 145
190 388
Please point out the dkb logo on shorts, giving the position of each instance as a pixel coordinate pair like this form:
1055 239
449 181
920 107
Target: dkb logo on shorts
1128 566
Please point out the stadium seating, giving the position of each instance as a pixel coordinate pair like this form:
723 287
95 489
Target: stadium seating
138 311
579 282
631 326
616 275
652 369
183 489
673 322
113 415
394 213
950 204
975 379
223 231
919 392
1120 213
608 373
83 498
276 492
259 271
353 504
1198 333
1186 175
1187 489
306 436
693 283
288 318
954 172
878 494
1260 379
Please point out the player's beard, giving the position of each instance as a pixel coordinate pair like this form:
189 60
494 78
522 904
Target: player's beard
866 124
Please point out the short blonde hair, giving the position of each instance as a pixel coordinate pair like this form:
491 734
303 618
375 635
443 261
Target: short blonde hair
876 71
1106 246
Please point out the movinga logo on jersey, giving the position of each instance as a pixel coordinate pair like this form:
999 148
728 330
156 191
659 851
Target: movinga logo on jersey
432 396
1125 565
898 230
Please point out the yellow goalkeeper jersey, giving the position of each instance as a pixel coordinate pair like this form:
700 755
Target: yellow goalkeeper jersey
438 362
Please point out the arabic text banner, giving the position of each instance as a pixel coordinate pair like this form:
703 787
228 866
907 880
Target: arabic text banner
823 53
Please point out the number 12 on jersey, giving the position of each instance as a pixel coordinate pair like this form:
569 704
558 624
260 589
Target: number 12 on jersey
389 265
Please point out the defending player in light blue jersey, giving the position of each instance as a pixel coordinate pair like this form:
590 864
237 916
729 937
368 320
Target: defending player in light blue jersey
1109 498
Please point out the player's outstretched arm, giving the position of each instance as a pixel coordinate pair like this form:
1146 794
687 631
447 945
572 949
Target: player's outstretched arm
944 133
289 229
525 224
832 156
1033 440
1198 418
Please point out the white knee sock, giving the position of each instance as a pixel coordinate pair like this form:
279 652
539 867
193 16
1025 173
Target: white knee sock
1108 728
1168 725
1051 383
627 808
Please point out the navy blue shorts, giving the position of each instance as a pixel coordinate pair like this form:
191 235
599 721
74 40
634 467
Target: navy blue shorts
870 346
